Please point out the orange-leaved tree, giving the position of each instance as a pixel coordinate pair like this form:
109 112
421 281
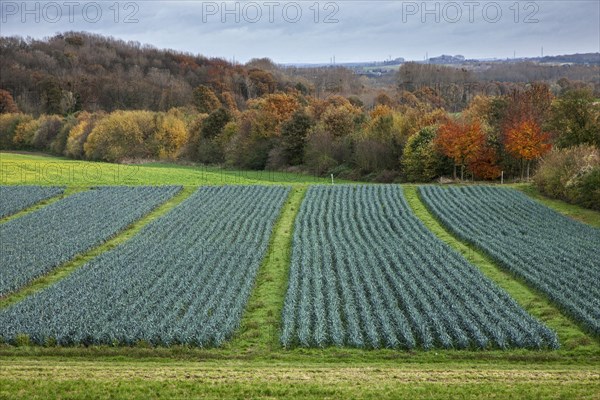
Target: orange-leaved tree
484 165
462 142
526 141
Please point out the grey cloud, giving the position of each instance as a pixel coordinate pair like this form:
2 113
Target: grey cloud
365 31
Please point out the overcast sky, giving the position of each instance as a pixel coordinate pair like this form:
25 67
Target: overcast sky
315 31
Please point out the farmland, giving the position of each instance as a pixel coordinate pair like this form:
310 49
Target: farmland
93 328
555 255
184 279
366 273
16 198
40 241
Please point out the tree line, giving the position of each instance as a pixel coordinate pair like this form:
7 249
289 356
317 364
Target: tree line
91 97
410 141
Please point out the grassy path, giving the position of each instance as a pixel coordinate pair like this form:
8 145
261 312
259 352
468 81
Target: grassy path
569 333
62 271
260 325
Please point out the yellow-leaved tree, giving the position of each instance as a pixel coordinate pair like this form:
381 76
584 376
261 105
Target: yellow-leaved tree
169 137
121 135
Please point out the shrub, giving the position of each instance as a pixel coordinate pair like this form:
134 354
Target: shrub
8 126
572 175
58 145
25 132
79 134
22 340
49 128
324 152
190 151
122 134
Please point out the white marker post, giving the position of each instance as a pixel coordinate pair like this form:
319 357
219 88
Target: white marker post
332 179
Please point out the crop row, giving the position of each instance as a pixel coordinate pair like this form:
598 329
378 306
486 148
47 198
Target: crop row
35 243
16 198
552 253
365 272
185 278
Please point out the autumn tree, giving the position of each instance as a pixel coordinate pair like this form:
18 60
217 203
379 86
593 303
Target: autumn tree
270 111
260 83
205 100
339 121
80 132
24 133
7 104
485 163
527 142
121 135
214 123
169 137
462 142
378 141
383 99
59 143
533 104
8 127
228 101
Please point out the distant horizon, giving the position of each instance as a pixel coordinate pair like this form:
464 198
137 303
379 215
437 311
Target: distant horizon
290 32
310 62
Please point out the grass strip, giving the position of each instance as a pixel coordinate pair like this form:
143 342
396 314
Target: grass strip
260 325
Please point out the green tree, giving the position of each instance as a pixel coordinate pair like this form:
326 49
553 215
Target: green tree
214 123
210 148
421 161
575 119
293 137
51 96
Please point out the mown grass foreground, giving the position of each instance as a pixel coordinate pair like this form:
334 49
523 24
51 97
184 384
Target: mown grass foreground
132 379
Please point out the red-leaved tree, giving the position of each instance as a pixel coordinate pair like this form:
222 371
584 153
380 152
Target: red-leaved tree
526 141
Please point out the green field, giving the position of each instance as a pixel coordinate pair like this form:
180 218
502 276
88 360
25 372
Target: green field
39 169
253 364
